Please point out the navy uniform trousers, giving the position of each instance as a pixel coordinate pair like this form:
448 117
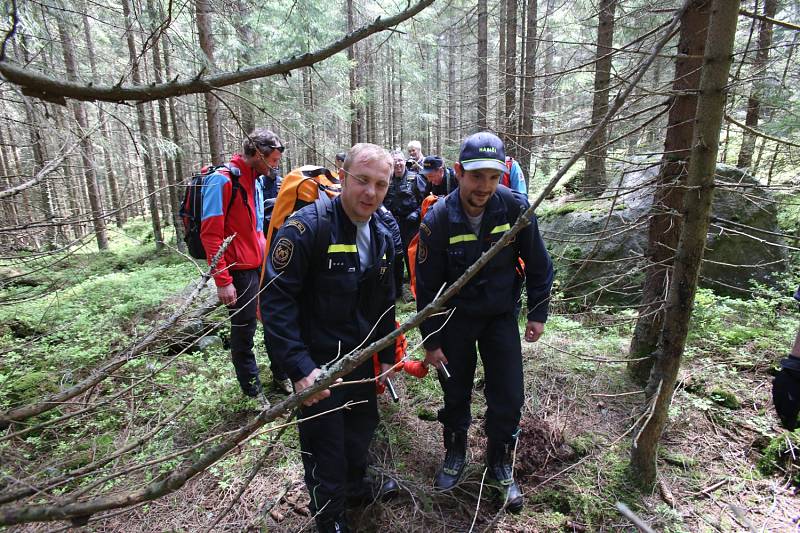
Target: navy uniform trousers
497 338
344 434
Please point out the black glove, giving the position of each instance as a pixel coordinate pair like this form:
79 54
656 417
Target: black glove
786 392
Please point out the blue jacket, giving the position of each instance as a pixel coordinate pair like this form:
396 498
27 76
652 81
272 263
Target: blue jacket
316 304
448 247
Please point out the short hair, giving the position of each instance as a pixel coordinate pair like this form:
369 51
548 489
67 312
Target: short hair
398 153
368 152
262 140
415 144
341 156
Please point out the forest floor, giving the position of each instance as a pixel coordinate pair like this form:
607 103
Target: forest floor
715 468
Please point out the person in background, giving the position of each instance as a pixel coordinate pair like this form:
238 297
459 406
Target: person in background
401 201
340 160
237 271
786 385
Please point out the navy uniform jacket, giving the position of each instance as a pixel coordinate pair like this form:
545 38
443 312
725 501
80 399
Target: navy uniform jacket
448 246
401 198
318 305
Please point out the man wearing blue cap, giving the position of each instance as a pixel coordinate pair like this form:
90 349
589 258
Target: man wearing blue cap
453 235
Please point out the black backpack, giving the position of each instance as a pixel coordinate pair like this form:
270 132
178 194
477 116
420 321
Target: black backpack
191 212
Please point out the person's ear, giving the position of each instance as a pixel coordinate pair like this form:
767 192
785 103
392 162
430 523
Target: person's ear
459 170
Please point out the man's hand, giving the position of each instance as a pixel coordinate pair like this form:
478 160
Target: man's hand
308 381
384 374
227 294
533 330
435 357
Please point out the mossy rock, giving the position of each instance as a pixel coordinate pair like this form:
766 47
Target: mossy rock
781 455
725 399
31 386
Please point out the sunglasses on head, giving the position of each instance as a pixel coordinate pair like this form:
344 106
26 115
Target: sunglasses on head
281 149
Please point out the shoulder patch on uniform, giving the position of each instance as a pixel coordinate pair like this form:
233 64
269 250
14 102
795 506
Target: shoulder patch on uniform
296 224
422 252
424 227
282 253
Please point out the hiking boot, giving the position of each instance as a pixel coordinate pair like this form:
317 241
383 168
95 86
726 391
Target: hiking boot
500 472
455 459
282 386
371 489
328 524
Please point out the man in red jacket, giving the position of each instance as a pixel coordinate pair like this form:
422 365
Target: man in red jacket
237 272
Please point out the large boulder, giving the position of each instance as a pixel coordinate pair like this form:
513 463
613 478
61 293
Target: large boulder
599 245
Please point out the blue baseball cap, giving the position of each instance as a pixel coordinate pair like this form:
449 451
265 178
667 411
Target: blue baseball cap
483 150
431 163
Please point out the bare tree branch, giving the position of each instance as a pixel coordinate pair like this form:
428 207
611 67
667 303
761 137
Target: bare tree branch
41 86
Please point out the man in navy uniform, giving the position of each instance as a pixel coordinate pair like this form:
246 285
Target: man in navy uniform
453 235
329 291
786 385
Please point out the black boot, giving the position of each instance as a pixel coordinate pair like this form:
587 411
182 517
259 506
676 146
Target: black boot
498 463
371 489
455 459
332 524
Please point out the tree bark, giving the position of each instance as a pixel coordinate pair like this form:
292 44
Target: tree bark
665 223
351 70
759 71
144 133
594 176
483 66
87 151
528 90
510 109
163 122
689 254
204 15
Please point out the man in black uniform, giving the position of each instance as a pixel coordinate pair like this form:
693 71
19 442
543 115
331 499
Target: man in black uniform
438 179
401 201
786 385
453 235
329 279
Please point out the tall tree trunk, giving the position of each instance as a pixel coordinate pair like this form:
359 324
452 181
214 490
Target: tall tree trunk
594 176
452 134
501 65
351 70
483 66
180 173
549 85
528 90
205 33
665 224
111 177
87 151
689 254
246 89
509 120
10 173
163 122
759 72
144 133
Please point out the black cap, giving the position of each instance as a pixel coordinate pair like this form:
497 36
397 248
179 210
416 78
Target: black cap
431 163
